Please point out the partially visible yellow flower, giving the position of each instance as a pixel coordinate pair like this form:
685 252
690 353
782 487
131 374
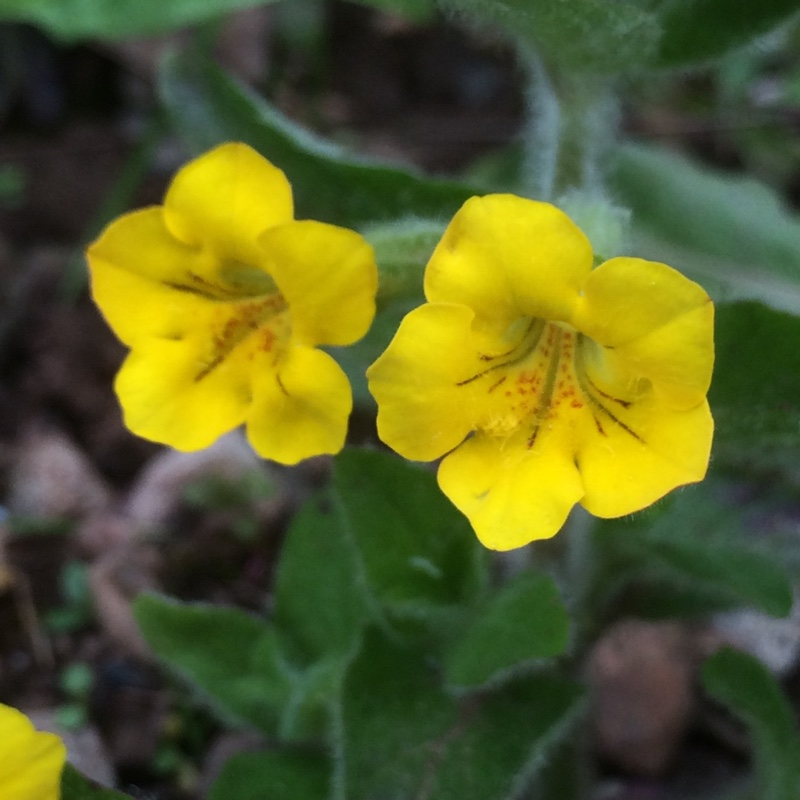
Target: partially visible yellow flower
30 761
223 298
543 381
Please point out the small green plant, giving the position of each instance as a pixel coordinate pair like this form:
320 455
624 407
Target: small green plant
75 610
76 682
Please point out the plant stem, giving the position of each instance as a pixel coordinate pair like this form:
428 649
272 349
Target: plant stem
572 121
542 131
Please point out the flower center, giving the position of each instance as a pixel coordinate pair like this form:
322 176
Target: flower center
247 308
545 376
263 321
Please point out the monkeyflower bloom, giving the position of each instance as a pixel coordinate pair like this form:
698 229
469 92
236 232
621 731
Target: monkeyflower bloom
222 298
30 761
543 381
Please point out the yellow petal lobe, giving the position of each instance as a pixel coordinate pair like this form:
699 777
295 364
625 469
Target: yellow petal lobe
172 391
302 410
655 322
504 256
423 411
628 468
329 278
225 199
511 495
627 298
32 761
136 266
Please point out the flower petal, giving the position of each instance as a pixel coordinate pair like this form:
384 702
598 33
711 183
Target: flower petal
164 400
653 322
32 761
138 269
631 461
626 298
506 256
225 199
302 410
328 276
678 358
423 412
512 495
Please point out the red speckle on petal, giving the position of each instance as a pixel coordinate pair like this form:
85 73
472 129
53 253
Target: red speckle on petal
267 340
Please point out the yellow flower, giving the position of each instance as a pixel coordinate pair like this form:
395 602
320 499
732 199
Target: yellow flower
30 762
547 382
222 298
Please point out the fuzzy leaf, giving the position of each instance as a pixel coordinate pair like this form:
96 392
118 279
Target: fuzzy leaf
232 657
72 20
747 688
402 249
318 605
732 234
273 774
418 553
700 30
586 36
755 394
691 548
306 714
524 620
403 737
751 577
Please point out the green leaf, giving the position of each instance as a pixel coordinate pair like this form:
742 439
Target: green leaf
691 549
587 36
273 774
111 19
418 552
75 786
383 538
751 577
523 621
699 30
318 604
208 107
232 657
732 234
755 394
417 10
403 737
746 687
508 740
306 714
402 250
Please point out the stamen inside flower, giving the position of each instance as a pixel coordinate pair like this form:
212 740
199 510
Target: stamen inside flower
264 322
232 280
249 305
545 374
